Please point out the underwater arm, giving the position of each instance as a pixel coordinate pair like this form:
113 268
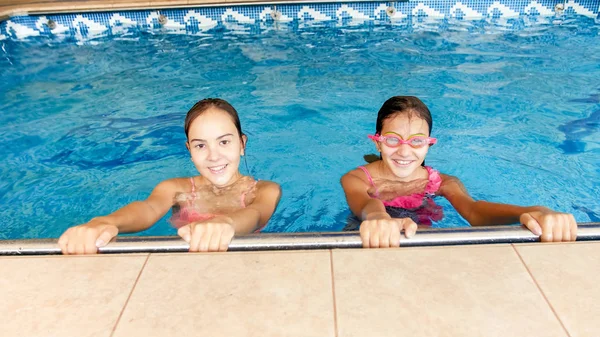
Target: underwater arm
378 229
257 214
216 234
360 202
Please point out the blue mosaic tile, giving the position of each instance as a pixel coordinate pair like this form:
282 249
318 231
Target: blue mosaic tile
254 17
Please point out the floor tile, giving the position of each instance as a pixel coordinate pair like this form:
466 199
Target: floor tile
65 296
447 291
232 294
568 277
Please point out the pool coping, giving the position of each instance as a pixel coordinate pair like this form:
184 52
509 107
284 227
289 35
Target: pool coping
427 237
31 7
107 6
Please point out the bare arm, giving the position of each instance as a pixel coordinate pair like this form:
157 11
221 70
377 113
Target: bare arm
481 213
141 215
548 224
134 217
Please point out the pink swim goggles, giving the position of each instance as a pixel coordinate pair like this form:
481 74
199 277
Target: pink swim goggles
416 141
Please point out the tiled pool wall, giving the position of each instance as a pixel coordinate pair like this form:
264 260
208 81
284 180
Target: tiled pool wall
202 19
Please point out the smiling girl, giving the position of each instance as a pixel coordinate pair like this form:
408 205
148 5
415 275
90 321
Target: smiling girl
395 192
208 209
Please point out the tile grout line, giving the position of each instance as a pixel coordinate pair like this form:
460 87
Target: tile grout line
129 297
541 291
335 325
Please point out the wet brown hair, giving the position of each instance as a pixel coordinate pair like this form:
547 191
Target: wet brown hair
201 106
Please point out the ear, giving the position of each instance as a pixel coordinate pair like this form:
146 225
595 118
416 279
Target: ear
244 141
376 145
187 145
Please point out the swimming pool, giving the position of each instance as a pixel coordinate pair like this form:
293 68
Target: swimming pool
92 119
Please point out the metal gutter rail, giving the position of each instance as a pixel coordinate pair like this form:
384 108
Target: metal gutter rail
587 231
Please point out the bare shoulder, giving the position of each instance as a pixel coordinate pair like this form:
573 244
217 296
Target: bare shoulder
173 185
268 187
448 179
451 185
268 192
354 173
357 175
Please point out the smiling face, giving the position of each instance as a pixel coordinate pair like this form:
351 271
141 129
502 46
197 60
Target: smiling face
404 160
215 146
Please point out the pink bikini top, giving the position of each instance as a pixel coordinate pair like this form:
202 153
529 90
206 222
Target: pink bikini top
414 200
187 213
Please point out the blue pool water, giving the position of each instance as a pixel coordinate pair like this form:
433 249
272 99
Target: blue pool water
87 128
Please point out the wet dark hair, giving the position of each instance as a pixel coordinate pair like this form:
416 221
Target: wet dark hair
201 106
409 105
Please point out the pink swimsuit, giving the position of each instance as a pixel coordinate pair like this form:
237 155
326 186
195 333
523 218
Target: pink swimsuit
420 204
187 213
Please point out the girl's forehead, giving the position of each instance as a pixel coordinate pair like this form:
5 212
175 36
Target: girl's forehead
404 124
213 121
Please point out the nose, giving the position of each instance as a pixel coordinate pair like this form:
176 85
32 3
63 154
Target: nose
213 154
403 150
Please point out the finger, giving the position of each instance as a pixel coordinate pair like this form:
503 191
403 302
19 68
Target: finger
108 234
79 242
565 224
63 241
374 236
365 234
89 243
79 248
528 221
197 232
547 231
546 234
556 228
207 235
71 246
410 228
225 239
573 227
215 238
384 236
395 237
184 233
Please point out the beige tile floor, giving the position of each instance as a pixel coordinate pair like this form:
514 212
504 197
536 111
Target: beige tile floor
487 290
497 290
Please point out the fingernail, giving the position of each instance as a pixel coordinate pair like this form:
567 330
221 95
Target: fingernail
187 238
100 243
537 231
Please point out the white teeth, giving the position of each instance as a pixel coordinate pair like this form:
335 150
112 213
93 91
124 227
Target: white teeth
217 168
403 162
